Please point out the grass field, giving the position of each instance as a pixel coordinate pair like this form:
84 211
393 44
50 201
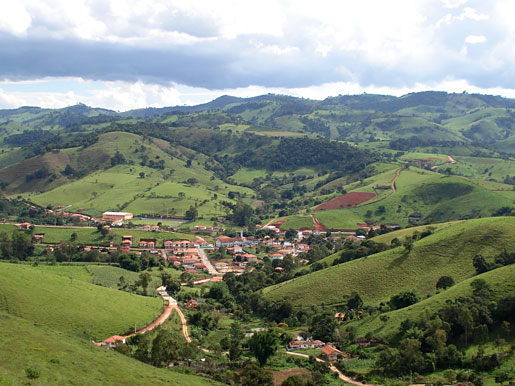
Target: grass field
501 281
123 187
376 278
72 306
296 222
63 359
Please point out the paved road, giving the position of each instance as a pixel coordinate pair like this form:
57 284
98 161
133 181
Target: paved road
203 257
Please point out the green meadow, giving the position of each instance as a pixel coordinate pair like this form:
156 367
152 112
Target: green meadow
70 305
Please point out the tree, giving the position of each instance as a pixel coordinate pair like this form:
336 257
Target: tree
172 286
263 345
164 349
411 355
354 302
191 213
252 375
408 245
141 174
444 282
144 280
242 214
502 377
323 326
73 237
404 299
480 264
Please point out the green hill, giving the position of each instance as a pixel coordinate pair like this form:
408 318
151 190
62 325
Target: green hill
72 306
500 280
51 320
435 197
62 358
449 251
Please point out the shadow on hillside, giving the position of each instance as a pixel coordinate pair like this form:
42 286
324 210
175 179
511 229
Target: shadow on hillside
399 260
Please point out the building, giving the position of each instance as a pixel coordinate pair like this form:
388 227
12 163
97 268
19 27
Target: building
112 341
126 241
330 353
116 216
147 243
303 344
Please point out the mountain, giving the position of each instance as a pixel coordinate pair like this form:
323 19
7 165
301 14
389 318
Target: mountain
290 150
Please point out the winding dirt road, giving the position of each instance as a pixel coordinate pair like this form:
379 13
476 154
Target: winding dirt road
332 367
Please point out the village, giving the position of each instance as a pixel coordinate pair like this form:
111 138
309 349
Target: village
236 254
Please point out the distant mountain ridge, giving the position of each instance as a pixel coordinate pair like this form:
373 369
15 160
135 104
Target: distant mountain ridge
386 103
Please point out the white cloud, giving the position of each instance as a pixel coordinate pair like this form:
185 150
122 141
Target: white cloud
14 18
472 14
475 39
453 3
123 96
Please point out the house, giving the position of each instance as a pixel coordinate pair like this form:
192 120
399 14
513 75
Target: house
24 226
38 237
191 304
147 243
117 216
276 256
221 266
234 250
127 240
330 353
112 341
168 244
303 344
249 257
363 342
340 316
154 228
226 241
146 228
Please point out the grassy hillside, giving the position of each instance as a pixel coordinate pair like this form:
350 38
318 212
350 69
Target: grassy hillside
72 306
436 197
171 189
501 282
376 278
60 358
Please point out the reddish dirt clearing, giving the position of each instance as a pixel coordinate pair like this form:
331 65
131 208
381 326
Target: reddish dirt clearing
348 200
280 376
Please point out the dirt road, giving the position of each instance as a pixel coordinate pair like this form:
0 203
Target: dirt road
333 369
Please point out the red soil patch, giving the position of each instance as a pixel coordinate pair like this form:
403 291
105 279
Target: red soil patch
348 200
317 225
278 224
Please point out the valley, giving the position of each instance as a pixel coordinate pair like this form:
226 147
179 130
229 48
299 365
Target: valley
360 239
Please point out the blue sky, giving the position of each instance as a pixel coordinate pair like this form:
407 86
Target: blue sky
124 54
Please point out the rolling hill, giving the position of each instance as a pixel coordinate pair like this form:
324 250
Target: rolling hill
501 282
51 321
448 251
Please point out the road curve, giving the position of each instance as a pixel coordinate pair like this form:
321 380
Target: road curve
332 367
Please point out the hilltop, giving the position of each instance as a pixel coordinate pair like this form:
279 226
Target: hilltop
282 155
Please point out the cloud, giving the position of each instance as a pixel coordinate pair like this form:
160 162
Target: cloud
475 39
272 44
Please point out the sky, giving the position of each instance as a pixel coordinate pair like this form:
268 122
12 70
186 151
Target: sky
127 54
